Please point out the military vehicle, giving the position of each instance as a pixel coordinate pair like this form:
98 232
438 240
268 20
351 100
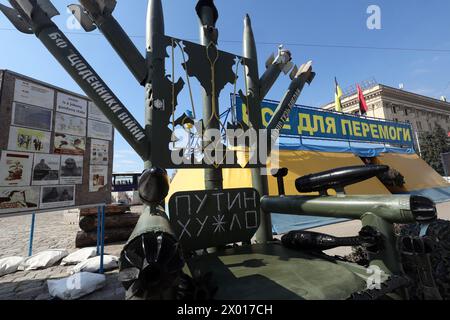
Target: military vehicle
217 243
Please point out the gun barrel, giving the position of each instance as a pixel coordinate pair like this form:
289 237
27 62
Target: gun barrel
394 209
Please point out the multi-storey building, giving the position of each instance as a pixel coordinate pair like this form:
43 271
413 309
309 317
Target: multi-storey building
398 105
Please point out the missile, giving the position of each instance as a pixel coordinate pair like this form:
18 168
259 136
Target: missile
274 66
252 74
99 12
155 24
151 262
337 178
259 180
299 77
249 47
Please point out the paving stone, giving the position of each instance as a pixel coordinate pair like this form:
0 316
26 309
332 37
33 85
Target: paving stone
7 290
30 294
52 231
44 296
30 285
8 297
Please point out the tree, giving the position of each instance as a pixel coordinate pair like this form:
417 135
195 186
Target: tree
433 144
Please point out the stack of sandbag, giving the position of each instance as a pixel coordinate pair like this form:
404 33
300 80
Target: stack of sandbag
119 224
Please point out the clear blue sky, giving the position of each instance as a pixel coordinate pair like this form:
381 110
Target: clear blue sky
328 32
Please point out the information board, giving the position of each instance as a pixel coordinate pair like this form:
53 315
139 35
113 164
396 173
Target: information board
56 148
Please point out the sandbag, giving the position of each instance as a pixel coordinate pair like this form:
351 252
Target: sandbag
76 286
93 264
44 259
79 256
10 265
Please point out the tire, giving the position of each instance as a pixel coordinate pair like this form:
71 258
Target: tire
439 233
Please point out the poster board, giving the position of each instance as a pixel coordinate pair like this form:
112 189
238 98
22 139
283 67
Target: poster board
48 161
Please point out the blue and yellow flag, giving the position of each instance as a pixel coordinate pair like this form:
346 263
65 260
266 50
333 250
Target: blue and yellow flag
337 97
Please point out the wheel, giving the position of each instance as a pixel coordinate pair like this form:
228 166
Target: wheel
439 234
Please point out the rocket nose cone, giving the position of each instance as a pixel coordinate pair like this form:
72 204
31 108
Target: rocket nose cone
247 22
155 20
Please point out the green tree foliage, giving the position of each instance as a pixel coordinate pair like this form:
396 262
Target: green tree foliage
433 144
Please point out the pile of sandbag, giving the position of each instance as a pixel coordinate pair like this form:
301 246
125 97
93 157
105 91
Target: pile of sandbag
119 224
83 263
10 265
83 280
41 260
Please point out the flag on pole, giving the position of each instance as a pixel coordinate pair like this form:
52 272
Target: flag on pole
362 101
337 97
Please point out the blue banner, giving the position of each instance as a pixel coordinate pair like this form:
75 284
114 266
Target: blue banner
323 124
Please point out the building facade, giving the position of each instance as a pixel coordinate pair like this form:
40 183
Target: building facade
397 105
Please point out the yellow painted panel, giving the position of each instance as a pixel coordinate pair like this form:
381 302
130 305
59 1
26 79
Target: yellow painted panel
299 163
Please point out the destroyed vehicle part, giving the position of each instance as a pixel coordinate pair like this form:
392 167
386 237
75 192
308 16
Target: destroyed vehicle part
392 178
438 233
313 241
197 288
391 285
150 265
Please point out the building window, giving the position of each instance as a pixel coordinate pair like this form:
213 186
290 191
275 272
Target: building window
419 125
406 112
395 120
394 110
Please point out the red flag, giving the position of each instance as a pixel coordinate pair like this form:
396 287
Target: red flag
362 101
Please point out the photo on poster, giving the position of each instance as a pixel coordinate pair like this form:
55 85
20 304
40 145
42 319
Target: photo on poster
99 152
71 105
33 94
15 169
57 196
100 130
46 169
18 199
70 125
96 114
71 171
98 178
29 140
24 115
68 144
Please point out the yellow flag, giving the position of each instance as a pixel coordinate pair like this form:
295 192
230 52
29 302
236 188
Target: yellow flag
337 97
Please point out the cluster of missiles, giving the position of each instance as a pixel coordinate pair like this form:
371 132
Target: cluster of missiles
152 260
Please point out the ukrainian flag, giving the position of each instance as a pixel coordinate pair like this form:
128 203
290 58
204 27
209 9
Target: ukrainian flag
337 97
